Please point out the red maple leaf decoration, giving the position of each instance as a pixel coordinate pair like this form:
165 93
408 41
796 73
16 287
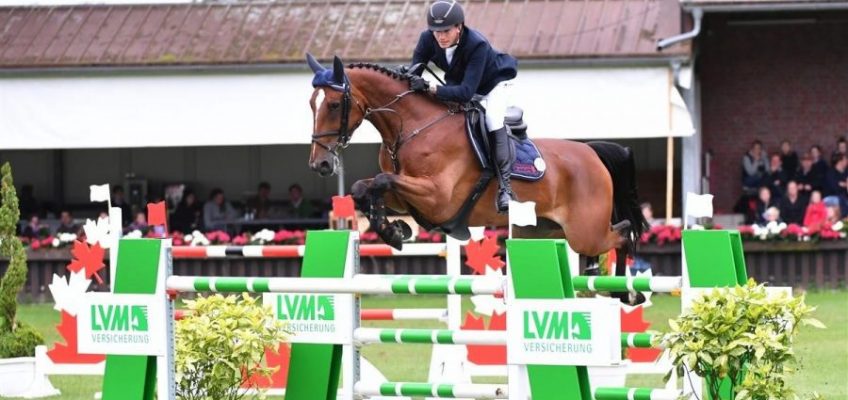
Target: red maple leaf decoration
634 321
67 353
278 380
486 354
483 253
88 258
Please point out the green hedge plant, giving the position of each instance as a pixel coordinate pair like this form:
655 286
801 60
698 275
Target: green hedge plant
220 343
741 337
16 338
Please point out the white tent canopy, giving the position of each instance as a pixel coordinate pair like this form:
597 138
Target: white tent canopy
204 109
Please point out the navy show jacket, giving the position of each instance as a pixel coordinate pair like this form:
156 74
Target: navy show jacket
476 66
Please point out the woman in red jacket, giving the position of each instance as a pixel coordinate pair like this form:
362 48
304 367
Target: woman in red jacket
816 214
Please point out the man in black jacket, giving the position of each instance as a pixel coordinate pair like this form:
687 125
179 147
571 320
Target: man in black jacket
471 67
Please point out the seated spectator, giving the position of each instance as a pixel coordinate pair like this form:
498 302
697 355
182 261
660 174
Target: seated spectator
841 146
300 207
764 202
778 176
754 167
772 214
819 164
788 159
807 177
648 213
34 229
187 216
260 205
793 205
837 175
816 213
139 223
118 200
27 204
834 209
217 211
66 223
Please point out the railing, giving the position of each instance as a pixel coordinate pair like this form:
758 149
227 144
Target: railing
802 265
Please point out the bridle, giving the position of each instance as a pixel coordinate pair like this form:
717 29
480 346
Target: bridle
344 132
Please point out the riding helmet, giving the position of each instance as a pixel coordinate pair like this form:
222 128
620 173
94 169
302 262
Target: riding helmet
443 14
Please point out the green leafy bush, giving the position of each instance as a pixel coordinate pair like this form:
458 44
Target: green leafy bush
222 342
16 338
743 335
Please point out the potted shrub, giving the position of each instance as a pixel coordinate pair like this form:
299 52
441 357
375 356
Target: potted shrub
17 340
221 345
739 340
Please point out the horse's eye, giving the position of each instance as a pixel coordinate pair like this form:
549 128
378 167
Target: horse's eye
334 106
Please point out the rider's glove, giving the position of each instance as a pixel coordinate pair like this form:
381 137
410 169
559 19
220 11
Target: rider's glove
418 84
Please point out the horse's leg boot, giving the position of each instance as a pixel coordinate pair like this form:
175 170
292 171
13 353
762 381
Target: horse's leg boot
504 159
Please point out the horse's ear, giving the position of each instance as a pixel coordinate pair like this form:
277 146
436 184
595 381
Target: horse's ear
314 64
338 71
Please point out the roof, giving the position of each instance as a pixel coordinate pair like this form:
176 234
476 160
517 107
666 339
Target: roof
765 5
356 30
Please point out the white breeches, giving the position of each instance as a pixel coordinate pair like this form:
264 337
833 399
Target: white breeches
496 103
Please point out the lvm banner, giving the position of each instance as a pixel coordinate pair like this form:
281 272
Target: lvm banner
127 324
314 318
564 332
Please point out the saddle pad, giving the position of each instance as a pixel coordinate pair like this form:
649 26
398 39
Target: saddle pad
528 166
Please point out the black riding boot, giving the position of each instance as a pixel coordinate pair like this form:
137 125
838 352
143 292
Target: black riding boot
503 159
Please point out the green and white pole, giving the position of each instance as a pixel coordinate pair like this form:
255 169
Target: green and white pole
364 336
359 284
661 284
610 393
440 390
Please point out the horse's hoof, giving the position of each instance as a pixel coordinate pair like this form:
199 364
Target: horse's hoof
391 235
405 229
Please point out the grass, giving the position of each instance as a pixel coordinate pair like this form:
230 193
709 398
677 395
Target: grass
823 353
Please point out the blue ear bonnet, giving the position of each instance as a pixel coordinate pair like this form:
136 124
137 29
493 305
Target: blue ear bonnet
325 78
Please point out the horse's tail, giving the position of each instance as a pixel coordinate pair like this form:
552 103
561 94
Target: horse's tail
619 162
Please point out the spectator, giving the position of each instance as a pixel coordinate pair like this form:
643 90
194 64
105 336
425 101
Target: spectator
66 223
118 200
788 158
841 146
34 229
834 209
139 223
807 177
793 205
300 207
816 213
754 167
772 214
186 217
819 164
648 213
763 203
217 211
778 176
27 204
260 205
837 175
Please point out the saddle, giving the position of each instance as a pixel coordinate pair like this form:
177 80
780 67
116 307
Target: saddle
528 166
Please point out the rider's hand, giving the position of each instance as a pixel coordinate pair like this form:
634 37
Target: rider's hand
418 84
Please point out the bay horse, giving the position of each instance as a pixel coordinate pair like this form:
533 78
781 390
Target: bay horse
587 194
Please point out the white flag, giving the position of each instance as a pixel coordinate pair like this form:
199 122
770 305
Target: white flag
100 192
699 205
522 214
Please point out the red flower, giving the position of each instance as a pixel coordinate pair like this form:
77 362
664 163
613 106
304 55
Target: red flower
35 245
240 240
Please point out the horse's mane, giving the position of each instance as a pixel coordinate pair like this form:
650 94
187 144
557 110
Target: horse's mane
384 70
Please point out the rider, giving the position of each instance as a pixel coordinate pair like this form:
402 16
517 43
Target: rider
472 66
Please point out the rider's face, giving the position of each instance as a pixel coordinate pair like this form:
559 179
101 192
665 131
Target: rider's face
448 37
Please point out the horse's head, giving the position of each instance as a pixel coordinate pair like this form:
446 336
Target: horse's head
335 112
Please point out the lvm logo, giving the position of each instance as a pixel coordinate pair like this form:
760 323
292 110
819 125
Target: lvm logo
119 317
557 325
305 307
